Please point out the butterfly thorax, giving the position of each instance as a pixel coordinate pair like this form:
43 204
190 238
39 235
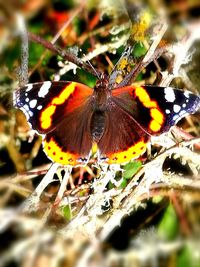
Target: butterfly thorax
101 94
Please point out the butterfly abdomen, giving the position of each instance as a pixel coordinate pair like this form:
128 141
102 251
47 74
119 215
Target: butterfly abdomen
97 125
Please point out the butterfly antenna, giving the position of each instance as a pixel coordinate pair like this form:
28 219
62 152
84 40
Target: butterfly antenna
92 67
98 76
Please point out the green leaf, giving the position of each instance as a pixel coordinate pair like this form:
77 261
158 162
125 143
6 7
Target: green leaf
67 212
110 185
11 55
86 78
139 50
36 51
157 199
187 257
168 227
78 25
131 168
139 77
123 183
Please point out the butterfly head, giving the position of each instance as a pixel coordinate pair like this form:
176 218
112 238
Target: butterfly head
102 83
101 92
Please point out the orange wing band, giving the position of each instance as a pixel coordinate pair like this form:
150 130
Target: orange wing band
46 116
56 154
131 153
157 117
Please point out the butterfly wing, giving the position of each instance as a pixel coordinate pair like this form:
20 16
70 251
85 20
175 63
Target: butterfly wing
123 139
137 112
156 109
71 142
45 104
62 111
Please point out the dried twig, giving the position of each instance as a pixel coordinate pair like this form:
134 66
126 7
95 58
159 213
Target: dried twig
150 56
66 55
58 34
180 52
63 185
23 77
32 202
124 201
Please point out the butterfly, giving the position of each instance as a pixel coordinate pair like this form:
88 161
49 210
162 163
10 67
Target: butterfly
72 117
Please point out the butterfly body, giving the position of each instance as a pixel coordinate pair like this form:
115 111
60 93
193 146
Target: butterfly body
73 117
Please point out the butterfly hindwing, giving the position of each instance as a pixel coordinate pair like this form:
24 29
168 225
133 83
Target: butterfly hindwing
71 142
123 138
155 108
46 104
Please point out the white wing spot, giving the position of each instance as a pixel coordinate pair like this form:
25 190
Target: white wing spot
169 94
27 99
26 110
33 103
187 94
175 117
183 112
26 107
176 108
184 105
30 113
44 89
29 87
167 111
39 107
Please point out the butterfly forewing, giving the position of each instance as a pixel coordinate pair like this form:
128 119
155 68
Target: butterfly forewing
46 104
156 109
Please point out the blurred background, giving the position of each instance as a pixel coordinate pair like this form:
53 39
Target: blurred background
146 213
